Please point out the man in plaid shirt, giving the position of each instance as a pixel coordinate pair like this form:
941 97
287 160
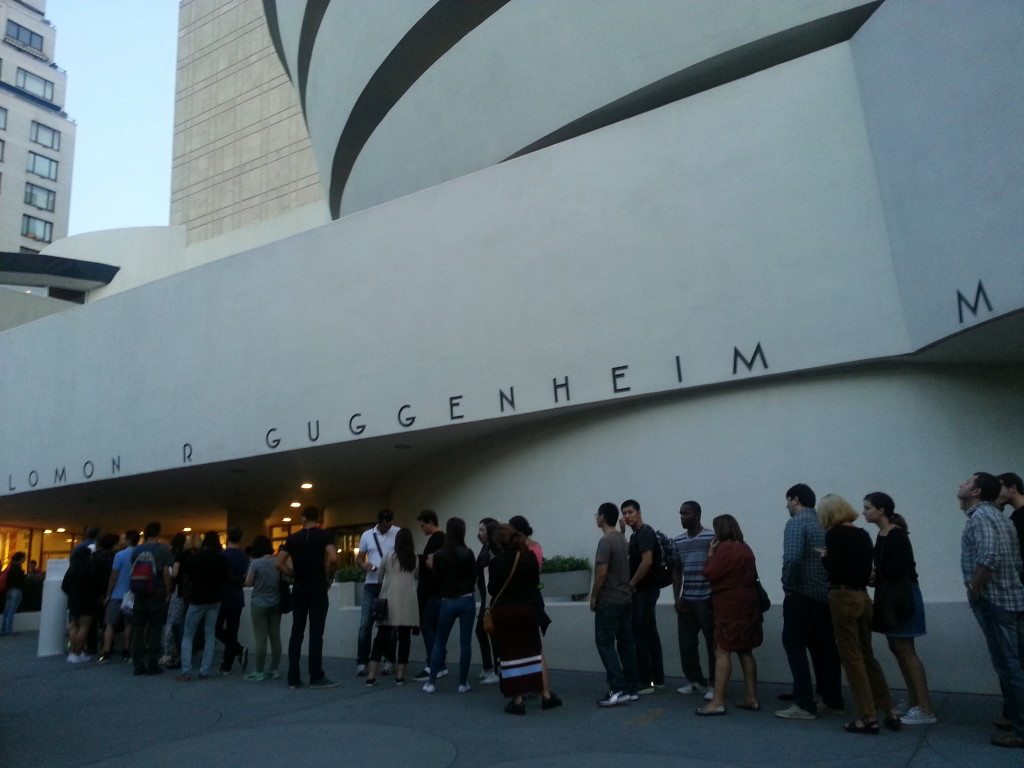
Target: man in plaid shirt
991 565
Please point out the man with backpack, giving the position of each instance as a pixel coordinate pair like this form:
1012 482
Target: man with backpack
646 566
150 583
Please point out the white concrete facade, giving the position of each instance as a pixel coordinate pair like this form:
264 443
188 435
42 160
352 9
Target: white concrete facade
754 272
37 139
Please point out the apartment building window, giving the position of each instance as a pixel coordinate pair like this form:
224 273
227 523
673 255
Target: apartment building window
42 166
3 118
34 84
39 197
36 229
2 150
24 36
42 134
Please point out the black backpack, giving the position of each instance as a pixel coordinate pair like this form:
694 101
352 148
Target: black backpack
663 560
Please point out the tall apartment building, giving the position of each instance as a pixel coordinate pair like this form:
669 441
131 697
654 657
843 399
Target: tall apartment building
37 140
241 150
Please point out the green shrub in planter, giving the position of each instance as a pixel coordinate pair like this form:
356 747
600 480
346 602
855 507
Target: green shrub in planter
353 573
562 564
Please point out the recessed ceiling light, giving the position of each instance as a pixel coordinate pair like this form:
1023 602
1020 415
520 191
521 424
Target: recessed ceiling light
306 486
70 540
47 531
286 519
295 504
62 530
187 530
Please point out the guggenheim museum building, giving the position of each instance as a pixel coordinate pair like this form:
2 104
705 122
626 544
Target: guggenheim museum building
564 253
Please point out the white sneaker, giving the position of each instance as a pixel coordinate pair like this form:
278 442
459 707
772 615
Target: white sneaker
360 670
429 688
691 688
646 691
465 688
73 658
917 716
490 679
385 668
613 699
709 694
795 712
442 673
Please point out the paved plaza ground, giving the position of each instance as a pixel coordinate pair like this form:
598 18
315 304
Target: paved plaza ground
54 714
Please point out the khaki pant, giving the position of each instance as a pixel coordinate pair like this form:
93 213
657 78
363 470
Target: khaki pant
851 620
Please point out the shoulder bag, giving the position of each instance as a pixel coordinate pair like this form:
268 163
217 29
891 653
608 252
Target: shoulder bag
488 620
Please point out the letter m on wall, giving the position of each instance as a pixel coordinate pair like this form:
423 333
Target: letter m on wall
738 357
979 296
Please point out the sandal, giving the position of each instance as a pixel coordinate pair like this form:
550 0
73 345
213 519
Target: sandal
515 709
755 707
860 726
892 723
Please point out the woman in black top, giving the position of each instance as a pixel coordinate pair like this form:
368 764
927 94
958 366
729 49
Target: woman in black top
896 573
513 584
848 559
454 568
483 561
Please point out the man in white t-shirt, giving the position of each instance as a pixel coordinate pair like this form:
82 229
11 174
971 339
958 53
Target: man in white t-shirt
374 546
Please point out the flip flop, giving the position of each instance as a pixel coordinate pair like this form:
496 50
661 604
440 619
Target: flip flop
705 712
748 707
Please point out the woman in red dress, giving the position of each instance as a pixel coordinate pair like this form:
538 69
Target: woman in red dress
736 612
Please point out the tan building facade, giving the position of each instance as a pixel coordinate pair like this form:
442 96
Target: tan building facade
241 150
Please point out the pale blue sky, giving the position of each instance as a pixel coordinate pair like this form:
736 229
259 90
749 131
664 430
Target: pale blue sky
120 58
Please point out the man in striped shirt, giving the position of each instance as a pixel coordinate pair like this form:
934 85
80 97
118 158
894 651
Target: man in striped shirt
692 595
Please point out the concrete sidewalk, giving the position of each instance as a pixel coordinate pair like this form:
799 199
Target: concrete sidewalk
54 714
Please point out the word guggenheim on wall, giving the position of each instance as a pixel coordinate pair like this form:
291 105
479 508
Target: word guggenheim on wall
357 426
406 418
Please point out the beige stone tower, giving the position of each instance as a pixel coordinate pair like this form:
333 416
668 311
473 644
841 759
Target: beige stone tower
241 149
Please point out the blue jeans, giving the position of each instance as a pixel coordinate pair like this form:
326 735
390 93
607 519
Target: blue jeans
370 593
1004 634
10 608
429 613
452 608
613 635
196 615
649 663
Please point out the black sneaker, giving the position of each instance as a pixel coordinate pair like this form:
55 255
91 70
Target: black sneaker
422 676
550 702
103 658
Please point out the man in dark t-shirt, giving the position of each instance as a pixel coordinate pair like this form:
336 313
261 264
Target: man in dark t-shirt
427 592
150 612
310 557
1011 494
643 583
232 602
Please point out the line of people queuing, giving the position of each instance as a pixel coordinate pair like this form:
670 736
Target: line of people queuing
828 615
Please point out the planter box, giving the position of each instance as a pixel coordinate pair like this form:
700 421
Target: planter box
349 593
571 584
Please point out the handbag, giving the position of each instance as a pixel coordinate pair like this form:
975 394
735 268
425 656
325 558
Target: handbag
284 595
763 601
488 620
379 609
